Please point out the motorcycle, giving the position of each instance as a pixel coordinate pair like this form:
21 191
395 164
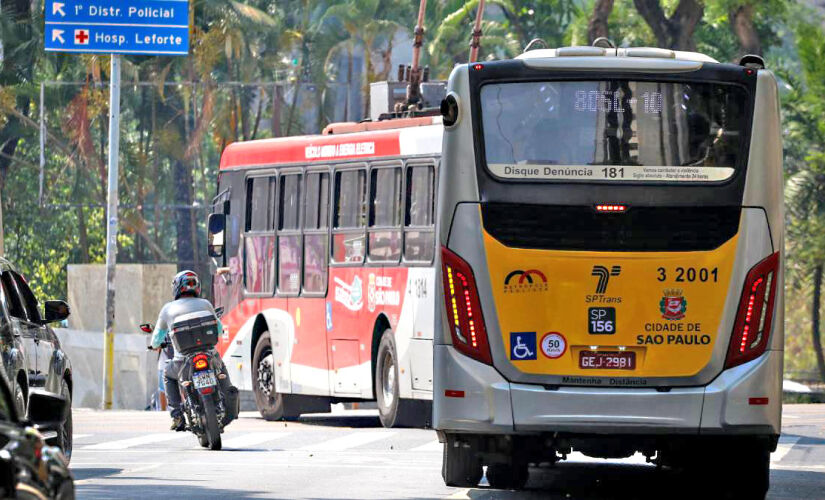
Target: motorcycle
206 408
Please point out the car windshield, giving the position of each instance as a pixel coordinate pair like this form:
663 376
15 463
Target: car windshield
652 131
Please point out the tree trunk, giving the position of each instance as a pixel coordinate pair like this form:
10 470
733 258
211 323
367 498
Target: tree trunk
676 32
817 342
277 99
82 235
597 27
183 200
741 22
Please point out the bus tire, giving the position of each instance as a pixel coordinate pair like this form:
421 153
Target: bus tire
508 476
387 395
753 462
461 465
270 404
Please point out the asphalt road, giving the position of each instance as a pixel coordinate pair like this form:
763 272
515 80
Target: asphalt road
349 455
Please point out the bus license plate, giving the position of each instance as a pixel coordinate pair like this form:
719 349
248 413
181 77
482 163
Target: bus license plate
602 360
204 379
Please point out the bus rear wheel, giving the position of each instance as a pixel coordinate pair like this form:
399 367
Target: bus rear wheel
392 410
461 465
270 403
386 381
508 476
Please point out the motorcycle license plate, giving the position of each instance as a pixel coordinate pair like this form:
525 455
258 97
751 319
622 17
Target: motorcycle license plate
203 379
601 360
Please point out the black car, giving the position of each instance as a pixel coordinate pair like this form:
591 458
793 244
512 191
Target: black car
29 467
29 349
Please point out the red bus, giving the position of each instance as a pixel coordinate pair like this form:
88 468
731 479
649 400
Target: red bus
324 252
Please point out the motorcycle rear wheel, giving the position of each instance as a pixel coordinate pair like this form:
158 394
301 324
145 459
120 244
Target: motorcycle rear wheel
210 421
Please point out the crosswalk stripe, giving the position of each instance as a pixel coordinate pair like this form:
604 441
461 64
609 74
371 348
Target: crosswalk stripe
253 438
80 436
432 446
122 444
349 441
782 449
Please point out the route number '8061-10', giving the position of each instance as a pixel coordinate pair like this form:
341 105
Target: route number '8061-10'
690 274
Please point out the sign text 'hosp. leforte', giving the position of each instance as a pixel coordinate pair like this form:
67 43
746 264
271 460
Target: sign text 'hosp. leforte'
118 26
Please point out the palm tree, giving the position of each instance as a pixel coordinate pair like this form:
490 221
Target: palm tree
805 161
451 43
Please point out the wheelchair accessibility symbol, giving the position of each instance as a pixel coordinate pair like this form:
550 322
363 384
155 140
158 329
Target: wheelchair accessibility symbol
522 346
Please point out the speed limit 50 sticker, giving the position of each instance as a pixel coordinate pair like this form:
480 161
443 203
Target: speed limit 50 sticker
553 345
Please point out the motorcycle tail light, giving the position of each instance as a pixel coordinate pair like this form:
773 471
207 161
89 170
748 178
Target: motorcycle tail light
200 362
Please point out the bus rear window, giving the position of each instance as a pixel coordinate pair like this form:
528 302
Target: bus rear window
614 130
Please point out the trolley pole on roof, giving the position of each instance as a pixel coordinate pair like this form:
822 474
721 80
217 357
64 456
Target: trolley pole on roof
111 233
141 27
475 43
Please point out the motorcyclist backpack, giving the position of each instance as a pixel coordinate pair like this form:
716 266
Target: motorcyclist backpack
195 331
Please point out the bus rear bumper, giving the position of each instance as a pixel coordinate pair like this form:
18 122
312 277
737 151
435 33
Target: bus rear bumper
490 404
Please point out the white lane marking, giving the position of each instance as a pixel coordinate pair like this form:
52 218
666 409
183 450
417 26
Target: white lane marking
460 495
253 438
121 444
432 446
349 441
782 449
80 436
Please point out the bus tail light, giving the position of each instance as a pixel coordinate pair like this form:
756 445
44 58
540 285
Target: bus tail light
464 308
754 317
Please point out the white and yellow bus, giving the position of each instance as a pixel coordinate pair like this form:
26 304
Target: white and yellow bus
611 230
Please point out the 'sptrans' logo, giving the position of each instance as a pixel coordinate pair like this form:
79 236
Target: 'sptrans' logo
673 305
531 280
604 275
522 346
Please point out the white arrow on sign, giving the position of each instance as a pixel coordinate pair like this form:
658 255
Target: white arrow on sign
58 35
57 8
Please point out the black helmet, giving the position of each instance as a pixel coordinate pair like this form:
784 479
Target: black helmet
186 282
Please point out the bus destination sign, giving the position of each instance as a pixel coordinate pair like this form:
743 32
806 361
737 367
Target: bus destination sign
139 27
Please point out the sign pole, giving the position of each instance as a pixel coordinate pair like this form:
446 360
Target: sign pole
111 233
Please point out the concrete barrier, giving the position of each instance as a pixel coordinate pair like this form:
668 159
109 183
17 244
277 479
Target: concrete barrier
135 375
140 292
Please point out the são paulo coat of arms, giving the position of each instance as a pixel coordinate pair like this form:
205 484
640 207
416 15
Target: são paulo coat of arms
673 305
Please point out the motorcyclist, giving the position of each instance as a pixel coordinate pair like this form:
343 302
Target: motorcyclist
186 289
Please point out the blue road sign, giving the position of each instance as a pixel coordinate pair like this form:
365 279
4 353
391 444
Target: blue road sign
148 27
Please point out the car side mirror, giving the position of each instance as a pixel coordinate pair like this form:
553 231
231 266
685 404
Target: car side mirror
216 237
46 410
219 312
55 310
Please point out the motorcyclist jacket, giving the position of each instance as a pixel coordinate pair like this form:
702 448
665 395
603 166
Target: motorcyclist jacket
174 309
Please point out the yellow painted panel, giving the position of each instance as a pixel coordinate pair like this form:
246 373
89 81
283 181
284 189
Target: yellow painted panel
665 307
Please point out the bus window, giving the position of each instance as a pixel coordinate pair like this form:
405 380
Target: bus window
260 192
385 215
289 235
259 242
316 213
350 217
419 233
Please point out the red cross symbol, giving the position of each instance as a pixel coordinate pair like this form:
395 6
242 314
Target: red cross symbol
81 37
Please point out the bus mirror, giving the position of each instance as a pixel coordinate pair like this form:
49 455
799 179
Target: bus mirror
216 235
449 110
